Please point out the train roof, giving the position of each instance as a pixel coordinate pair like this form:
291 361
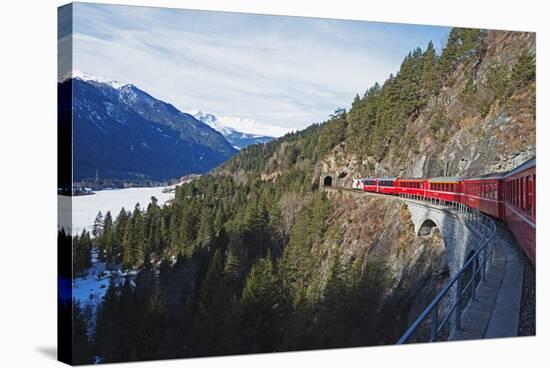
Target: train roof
446 179
524 166
486 176
413 179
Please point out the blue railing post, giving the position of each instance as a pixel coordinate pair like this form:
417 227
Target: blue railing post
473 278
484 268
434 324
458 310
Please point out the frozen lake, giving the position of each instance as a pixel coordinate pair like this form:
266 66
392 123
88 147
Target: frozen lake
85 208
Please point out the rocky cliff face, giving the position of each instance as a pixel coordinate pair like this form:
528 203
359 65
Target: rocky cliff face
471 141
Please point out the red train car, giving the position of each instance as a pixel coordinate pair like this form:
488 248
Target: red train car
416 187
484 193
370 185
519 207
447 189
386 185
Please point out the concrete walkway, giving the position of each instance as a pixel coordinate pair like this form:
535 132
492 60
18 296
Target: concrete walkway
496 311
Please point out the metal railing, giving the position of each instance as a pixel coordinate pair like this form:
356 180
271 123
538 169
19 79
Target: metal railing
485 229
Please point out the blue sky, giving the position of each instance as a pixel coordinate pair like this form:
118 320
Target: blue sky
284 71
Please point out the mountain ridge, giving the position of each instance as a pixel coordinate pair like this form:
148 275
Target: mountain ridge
237 138
125 133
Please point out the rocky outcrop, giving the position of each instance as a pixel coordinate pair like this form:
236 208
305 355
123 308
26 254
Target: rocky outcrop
470 141
381 229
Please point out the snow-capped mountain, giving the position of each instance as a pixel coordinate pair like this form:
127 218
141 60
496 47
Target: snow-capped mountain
213 122
125 133
77 74
240 132
251 126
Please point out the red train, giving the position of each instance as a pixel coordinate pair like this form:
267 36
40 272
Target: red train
510 197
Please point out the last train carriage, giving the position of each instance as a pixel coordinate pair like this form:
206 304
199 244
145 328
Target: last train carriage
510 196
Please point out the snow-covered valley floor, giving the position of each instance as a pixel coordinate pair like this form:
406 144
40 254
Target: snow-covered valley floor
85 208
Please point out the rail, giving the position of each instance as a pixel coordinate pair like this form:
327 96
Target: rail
485 228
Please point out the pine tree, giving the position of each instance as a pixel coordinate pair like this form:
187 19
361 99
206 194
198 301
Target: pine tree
82 348
153 228
82 252
210 301
106 241
219 220
139 246
128 242
206 227
97 228
120 228
261 306
524 69
498 80
213 307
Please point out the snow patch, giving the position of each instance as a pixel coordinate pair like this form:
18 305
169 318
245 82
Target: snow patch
228 125
77 74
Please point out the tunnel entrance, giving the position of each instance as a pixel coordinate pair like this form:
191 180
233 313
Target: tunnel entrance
327 182
426 228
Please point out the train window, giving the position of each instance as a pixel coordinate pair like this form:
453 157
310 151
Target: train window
517 192
528 193
506 191
534 196
521 193
524 192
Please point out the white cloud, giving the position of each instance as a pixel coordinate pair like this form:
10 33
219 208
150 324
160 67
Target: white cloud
284 71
